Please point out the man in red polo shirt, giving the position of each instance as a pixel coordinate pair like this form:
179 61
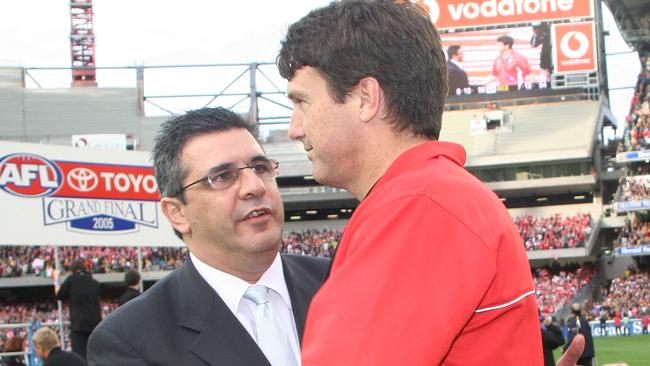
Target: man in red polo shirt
430 270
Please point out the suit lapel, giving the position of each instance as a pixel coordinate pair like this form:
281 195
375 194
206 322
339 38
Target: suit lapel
300 291
221 339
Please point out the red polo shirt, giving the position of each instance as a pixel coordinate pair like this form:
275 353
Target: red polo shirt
431 270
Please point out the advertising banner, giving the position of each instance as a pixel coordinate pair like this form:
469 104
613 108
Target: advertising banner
575 49
450 14
636 250
633 328
55 195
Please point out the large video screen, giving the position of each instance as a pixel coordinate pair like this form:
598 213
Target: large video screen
516 59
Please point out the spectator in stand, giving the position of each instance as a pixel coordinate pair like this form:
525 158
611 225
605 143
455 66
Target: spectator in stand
132 282
15 344
552 338
579 325
81 291
48 348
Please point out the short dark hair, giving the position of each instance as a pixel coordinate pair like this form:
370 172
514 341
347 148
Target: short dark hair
396 44
174 134
79 266
131 277
452 50
507 40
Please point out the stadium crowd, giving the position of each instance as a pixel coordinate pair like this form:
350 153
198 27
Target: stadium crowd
538 233
554 232
16 261
633 188
628 295
555 286
636 231
637 122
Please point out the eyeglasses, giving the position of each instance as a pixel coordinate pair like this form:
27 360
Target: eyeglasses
226 177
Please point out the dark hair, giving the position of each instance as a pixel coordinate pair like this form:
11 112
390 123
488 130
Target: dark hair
452 50
507 40
131 277
171 139
78 266
396 44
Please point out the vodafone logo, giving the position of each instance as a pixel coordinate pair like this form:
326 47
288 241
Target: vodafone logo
29 175
472 13
433 8
574 44
82 179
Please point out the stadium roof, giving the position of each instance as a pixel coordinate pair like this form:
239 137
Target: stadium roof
633 19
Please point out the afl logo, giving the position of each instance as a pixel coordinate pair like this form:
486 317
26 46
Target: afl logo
29 175
574 44
82 179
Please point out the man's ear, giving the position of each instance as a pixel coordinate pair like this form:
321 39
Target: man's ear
371 96
173 210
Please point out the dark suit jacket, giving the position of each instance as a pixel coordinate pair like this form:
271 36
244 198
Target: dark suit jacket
83 292
457 78
182 321
129 294
552 338
585 330
58 357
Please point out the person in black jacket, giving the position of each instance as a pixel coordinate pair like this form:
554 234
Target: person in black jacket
456 76
552 338
82 292
579 325
132 282
48 348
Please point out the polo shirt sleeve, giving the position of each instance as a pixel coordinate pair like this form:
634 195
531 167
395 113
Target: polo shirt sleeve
401 291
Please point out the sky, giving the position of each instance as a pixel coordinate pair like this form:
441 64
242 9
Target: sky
161 32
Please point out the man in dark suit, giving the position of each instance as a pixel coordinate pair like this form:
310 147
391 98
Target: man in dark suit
456 76
220 195
552 338
579 325
82 292
48 348
132 282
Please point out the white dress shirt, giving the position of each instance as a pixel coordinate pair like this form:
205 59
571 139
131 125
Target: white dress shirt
231 289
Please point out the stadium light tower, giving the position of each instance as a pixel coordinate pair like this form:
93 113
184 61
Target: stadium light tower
82 43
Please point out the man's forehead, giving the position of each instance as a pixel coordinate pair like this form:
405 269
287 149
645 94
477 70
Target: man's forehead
233 146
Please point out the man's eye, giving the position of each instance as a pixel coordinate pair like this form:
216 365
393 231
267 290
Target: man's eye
260 168
221 177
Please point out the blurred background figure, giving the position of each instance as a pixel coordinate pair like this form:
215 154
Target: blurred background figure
578 324
15 344
456 76
132 282
48 348
552 338
82 292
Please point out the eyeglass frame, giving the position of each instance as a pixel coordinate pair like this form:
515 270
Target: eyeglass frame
274 164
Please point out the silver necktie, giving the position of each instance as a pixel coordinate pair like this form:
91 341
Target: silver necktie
272 337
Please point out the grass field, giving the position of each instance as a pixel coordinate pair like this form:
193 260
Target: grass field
633 350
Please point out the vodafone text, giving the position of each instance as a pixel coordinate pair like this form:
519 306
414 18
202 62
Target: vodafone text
495 8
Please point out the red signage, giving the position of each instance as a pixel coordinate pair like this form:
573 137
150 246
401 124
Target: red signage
30 175
447 14
574 49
